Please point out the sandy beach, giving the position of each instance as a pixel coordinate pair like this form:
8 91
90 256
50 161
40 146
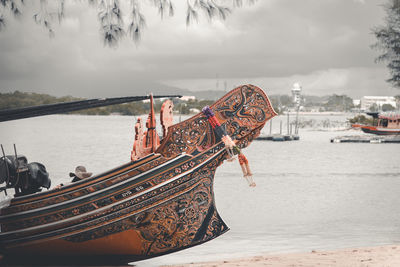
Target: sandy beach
382 256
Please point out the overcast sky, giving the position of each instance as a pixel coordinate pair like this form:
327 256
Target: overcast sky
322 44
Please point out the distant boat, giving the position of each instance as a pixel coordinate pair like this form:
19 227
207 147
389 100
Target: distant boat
384 124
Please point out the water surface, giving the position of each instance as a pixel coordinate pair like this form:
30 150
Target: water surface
310 194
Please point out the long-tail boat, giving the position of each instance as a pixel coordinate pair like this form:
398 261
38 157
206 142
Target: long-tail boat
160 202
384 124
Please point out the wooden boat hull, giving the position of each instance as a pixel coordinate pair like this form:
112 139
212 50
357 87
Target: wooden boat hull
379 131
180 214
154 206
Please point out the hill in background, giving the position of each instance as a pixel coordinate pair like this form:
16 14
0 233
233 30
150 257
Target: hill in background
280 103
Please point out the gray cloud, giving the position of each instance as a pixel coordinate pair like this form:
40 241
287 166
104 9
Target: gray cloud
274 42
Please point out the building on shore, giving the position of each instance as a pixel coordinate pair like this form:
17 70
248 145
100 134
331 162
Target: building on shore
188 97
367 101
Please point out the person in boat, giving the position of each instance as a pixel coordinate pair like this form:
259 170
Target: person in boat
79 174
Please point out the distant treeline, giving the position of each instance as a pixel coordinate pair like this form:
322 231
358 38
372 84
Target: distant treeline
280 103
19 99
362 119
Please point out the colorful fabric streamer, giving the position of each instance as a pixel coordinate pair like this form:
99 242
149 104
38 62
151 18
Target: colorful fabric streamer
230 145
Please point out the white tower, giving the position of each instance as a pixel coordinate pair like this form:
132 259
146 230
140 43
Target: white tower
296 90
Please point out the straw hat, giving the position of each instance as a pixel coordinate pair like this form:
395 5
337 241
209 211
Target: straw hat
81 172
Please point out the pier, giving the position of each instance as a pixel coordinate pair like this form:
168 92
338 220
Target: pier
374 139
280 137
297 99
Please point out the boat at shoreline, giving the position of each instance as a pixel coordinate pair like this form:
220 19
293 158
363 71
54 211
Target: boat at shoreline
160 202
384 124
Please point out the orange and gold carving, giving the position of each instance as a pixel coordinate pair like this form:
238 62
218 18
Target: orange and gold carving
240 111
166 115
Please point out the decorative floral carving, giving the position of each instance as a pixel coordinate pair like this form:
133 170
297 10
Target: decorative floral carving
240 111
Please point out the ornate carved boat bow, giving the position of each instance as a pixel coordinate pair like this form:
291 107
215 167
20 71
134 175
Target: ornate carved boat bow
158 204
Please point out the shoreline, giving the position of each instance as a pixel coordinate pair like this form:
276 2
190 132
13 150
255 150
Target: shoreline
388 255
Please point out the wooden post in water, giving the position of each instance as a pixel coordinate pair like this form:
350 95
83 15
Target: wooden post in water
270 127
296 129
288 123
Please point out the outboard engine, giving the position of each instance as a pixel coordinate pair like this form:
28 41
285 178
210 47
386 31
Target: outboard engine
26 178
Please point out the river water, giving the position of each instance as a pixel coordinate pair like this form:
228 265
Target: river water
310 194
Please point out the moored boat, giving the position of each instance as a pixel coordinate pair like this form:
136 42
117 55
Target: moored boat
384 124
160 202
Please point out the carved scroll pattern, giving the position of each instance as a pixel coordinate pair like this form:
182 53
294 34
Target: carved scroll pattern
240 111
188 136
245 111
175 223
